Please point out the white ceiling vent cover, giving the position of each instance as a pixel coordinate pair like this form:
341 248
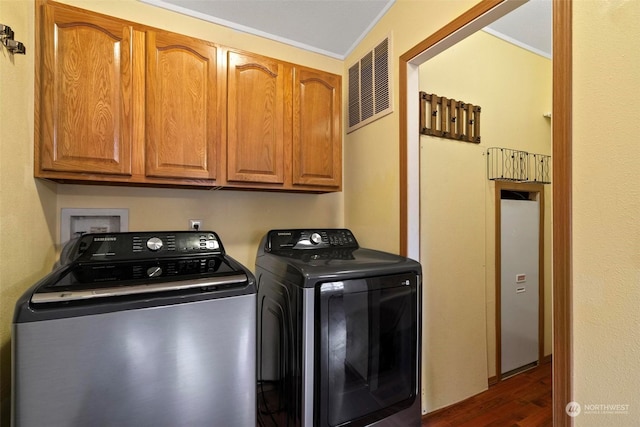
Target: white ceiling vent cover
370 87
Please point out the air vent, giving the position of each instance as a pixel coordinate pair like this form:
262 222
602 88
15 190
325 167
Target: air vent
369 86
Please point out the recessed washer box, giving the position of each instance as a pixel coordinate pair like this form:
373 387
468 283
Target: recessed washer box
76 222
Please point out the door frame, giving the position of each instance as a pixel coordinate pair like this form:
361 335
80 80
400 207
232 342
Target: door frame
537 189
409 168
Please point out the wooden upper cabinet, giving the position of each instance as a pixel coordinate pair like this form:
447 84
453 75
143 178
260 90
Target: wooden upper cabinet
121 102
86 107
317 130
181 87
255 118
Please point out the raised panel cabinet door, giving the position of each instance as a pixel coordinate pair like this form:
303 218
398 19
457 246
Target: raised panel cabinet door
86 110
181 127
317 128
255 118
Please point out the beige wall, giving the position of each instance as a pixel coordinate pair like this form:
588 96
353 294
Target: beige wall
606 202
371 154
606 199
30 209
372 176
240 217
606 210
26 207
513 87
455 316
453 260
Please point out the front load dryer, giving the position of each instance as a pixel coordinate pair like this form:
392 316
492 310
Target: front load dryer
338 332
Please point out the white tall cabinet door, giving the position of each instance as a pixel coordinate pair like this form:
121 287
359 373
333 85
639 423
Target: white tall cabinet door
519 282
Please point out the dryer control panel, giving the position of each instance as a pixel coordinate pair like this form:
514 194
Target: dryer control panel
304 239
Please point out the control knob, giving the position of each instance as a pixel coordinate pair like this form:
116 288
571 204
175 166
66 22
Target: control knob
154 271
316 238
154 244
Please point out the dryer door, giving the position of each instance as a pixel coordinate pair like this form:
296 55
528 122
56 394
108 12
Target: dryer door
368 355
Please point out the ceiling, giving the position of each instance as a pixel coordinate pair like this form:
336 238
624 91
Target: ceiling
529 26
335 27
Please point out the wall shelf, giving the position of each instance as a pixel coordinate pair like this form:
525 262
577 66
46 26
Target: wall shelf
506 164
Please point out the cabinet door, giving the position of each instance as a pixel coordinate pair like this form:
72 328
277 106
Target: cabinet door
86 111
181 128
255 118
317 131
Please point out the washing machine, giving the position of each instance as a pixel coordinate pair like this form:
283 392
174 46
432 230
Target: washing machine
338 331
137 329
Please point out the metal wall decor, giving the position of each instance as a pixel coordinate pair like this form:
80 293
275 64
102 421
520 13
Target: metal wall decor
6 36
505 164
448 118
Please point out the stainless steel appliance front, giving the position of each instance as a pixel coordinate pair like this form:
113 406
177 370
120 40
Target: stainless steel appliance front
137 329
177 365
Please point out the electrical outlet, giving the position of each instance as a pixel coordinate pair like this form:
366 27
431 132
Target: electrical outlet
195 224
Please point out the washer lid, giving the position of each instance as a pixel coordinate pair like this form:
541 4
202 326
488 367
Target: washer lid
81 289
92 281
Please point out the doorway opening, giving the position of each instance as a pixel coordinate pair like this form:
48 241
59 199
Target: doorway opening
469 22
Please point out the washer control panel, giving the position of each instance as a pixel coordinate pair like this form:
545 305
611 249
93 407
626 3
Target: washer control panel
304 239
125 246
98 273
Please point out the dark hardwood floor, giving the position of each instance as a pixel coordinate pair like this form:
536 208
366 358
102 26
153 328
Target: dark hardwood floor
523 400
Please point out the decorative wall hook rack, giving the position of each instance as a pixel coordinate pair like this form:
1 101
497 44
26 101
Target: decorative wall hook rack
448 118
12 45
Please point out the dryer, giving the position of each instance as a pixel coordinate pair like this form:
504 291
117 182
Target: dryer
338 332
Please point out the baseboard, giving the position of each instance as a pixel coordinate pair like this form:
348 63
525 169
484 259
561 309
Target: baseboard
494 379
